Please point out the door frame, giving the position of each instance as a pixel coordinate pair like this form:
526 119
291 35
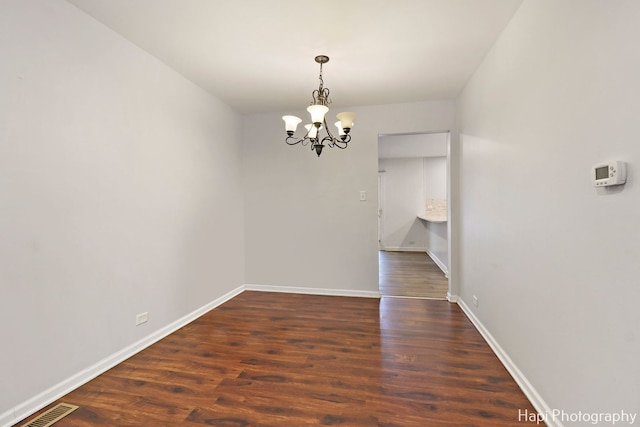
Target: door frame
380 211
451 296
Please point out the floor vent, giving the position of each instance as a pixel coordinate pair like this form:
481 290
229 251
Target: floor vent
51 416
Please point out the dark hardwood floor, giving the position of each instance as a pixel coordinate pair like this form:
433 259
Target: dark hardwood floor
411 274
269 359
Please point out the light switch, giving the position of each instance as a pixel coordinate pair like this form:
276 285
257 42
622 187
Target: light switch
363 196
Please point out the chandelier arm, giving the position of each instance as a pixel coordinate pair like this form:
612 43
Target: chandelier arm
343 144
292 140
330 141
338 142
304 140
328 129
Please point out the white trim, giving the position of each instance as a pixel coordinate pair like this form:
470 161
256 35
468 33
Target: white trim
8 418
404 249
439 263
408 297
536 400
43 399
313 291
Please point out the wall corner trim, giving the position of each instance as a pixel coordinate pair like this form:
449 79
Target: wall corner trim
529 391
50 395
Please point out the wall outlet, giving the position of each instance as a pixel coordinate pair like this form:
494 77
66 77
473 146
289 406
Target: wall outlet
475 300
142 318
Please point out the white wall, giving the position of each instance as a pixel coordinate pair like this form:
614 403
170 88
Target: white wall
435 187
554 261
402 146
434 177
119 193
403 181
407 183
304 224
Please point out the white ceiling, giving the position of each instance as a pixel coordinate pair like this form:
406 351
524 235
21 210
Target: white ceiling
258 55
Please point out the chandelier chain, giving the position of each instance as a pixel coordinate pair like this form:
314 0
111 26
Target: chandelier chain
320 96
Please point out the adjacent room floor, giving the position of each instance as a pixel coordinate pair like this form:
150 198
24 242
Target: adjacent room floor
411 274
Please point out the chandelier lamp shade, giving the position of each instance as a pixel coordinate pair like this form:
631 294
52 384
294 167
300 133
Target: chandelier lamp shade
318 110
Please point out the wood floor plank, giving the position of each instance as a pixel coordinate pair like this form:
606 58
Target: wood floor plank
411 274
268 359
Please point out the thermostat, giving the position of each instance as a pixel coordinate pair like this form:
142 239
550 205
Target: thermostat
607 174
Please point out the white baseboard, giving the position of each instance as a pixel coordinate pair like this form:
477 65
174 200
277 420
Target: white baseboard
45 398
8 418
52 394
536 400
404 249
439 263
313 291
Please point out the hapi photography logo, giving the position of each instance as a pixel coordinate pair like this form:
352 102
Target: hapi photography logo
595 418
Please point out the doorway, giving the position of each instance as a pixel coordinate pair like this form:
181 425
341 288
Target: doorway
413 232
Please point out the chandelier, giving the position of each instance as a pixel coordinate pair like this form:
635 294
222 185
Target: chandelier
318 109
